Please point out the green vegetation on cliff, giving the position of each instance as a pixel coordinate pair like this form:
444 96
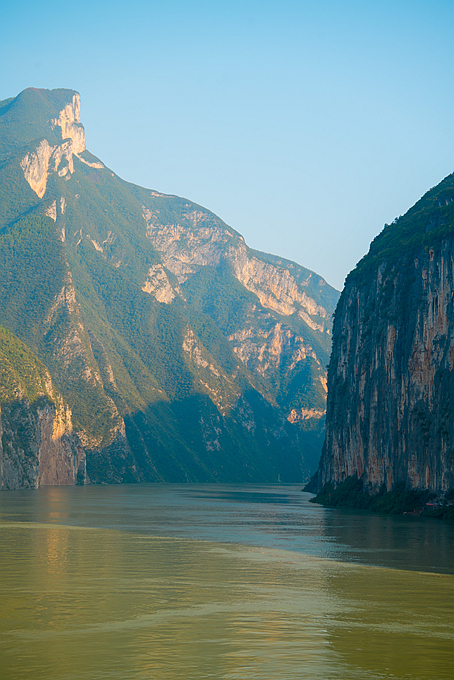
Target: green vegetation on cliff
425 225
22 375
390 411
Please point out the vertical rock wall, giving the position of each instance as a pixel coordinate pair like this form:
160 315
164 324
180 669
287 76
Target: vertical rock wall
38 447
390 411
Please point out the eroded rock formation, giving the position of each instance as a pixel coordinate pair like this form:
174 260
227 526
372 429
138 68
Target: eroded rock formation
37 443
390 412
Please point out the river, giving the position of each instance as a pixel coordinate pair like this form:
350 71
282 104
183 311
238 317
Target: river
184 582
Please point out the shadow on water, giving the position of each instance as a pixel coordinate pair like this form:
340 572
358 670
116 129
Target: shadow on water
95 586
278 516
413 543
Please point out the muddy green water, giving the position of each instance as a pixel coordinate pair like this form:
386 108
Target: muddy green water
171 582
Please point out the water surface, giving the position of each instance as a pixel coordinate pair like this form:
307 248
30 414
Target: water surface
167 582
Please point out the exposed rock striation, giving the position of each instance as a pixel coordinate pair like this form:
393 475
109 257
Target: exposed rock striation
37 446
45 158
390 411
202 239
287 323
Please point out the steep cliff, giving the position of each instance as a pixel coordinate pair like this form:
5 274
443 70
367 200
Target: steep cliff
183 354
390 411
37 445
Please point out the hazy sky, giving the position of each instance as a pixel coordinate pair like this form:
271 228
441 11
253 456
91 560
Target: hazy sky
304 125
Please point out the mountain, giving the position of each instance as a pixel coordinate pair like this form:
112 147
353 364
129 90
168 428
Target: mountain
182 354
37 444
390 412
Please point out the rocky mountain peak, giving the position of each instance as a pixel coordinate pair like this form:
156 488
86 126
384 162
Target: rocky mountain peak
48 157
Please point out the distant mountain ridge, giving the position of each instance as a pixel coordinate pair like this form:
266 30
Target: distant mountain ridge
183 354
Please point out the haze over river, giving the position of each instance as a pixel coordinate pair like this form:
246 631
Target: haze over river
167 582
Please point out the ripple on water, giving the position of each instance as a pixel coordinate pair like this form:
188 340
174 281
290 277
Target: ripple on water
83 604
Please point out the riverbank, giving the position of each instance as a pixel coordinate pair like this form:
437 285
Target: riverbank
399 501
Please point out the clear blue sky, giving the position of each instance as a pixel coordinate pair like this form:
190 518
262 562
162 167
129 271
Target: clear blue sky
304 125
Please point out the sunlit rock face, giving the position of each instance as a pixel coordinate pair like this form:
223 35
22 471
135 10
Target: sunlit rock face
36 166
157 284
37 444
285 323
204 240
38 447
390 412
68 121
45 159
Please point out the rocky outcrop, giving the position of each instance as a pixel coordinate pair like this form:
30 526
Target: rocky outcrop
277 289
38 447
37 443
68 121
202 240
157 284
36 167
390 412
284 329
266 345
305 414
38 164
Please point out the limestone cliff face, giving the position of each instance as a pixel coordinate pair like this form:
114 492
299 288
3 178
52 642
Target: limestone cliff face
202 239
37 165
68 121
265 344
38 447
158 284
37 443
390 412
273 339
277 289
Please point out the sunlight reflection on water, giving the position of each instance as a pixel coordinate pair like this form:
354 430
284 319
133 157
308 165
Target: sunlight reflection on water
260 597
